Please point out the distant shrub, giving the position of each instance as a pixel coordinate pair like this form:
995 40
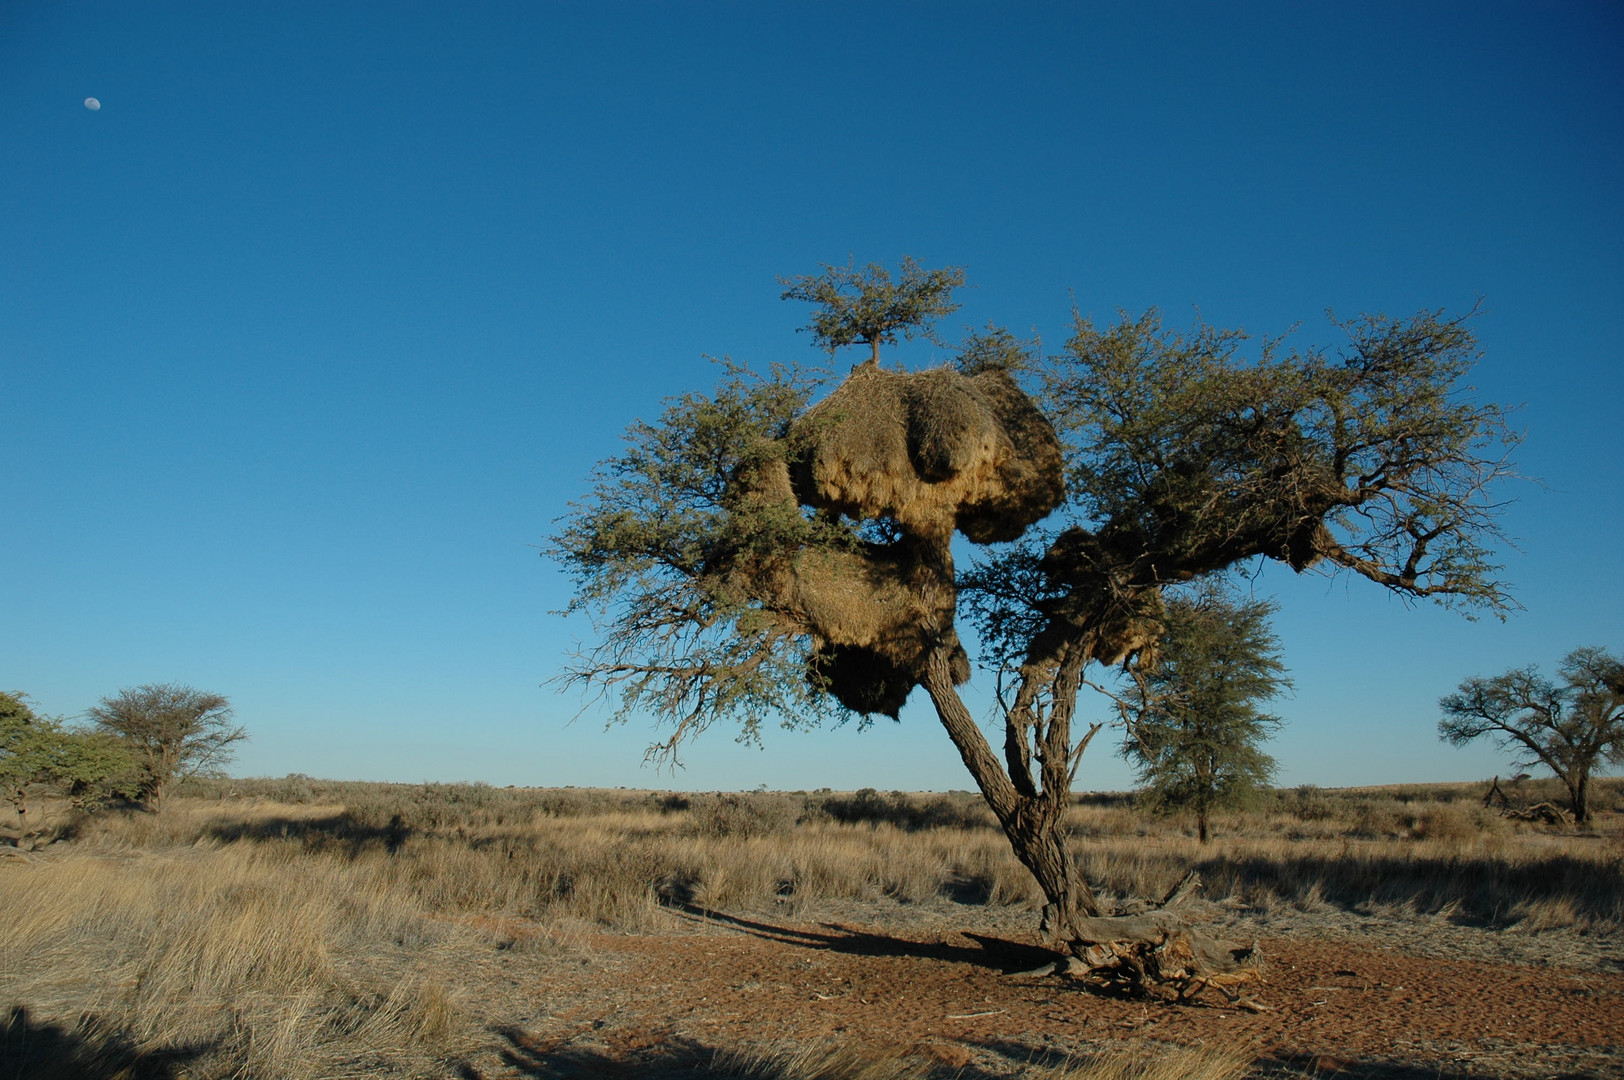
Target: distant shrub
910 813
1308 803
743 814
1455 821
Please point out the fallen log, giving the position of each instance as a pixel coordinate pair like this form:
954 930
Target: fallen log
1549 813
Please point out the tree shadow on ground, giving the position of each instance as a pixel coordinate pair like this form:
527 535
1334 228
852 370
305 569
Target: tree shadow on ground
336 832
88 1050
991 952
1290 1067
558 1058
1478 889
998 954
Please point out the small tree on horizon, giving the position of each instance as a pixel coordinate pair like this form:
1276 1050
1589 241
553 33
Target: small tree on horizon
172 731
1574 727
1193 729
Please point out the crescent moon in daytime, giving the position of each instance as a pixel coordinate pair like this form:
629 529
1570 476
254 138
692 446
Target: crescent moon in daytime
92 104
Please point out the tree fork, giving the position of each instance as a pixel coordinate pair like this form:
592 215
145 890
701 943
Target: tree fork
1034 824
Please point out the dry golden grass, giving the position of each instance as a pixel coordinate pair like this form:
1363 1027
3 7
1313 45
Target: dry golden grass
296 929
243 961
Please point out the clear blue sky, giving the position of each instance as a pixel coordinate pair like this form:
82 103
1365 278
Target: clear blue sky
312 330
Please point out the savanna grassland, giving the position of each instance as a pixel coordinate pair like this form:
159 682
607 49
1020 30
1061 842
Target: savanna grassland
292 929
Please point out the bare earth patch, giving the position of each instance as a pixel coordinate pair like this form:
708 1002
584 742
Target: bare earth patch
1338 1005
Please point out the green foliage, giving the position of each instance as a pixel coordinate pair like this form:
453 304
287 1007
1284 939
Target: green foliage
866 307
170 731
39 756
15 712
1573 727
1194 728
28 747
994 349
1189 457
653 551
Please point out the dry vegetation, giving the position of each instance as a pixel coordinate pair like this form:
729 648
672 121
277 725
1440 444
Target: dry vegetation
298 928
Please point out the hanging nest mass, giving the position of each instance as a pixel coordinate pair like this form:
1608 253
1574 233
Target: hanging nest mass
930 452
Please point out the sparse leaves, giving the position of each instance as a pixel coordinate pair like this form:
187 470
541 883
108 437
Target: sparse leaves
1186 457
653 551
994 348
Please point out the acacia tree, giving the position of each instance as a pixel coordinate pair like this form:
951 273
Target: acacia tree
1573 728
1192 724
40 756
752 555
170 730
865 307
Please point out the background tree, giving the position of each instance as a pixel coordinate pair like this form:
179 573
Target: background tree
1192 723
171 731
41 759
1573 727
755 555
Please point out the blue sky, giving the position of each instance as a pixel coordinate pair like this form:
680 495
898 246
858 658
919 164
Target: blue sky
309 334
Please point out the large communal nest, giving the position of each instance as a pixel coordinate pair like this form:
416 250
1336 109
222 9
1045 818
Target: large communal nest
930 452
933 451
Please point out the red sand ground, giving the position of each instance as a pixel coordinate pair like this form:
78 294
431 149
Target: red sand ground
648 1003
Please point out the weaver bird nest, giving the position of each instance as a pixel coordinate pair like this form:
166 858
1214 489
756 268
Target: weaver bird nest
929 453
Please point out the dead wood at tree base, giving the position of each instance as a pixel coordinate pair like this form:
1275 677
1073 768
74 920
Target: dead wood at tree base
1157 953
1548 813
1545 813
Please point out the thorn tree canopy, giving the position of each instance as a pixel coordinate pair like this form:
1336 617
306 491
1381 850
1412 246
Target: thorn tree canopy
865 307
171 731
757 553
1573 728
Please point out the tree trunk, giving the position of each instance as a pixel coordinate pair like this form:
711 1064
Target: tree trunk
1037 835
1579 794
1201 824
1153 952
1034 823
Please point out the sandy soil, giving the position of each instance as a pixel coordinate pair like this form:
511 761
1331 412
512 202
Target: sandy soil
1347 995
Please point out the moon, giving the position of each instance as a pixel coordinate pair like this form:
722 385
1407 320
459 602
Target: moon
92 104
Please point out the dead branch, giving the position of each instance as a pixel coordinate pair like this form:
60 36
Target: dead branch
1547 813
1158 952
